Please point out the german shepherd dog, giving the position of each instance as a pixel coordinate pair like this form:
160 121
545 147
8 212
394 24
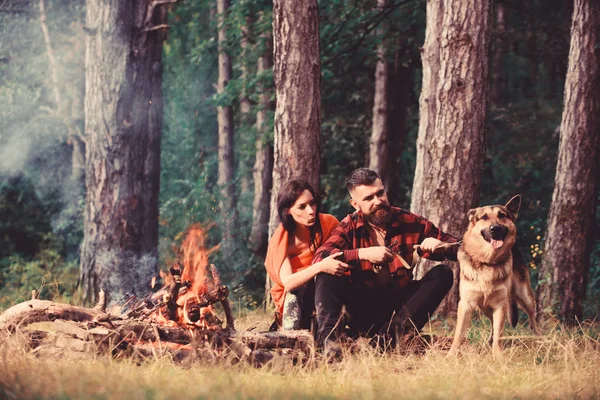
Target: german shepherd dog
493 276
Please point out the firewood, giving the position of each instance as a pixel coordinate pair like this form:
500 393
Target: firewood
32 311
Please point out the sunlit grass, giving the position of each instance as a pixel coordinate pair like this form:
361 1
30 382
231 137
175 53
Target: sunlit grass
561 364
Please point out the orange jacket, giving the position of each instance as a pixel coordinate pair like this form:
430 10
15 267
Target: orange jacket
277 252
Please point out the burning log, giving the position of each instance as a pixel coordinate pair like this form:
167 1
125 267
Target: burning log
173 293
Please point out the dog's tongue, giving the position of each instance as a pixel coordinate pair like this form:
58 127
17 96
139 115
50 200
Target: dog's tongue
496 244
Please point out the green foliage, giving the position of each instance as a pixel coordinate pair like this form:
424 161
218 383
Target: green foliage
23 218
48 273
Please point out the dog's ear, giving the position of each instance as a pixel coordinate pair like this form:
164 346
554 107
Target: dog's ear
514 205
471 214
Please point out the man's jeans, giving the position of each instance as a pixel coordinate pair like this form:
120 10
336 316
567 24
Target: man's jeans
371 311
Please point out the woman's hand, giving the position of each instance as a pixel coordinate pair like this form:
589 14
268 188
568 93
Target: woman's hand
332 266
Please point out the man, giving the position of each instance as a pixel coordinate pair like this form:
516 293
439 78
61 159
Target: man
378 294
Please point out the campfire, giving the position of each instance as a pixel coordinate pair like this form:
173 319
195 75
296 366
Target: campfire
192 287
179 319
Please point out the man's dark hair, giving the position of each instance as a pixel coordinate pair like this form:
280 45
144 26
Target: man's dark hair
361 176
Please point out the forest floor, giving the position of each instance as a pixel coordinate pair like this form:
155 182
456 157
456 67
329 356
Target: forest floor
563 363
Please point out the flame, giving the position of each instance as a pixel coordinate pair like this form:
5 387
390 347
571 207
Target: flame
195 259
195 273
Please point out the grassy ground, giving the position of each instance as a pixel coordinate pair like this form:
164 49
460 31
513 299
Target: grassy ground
561 364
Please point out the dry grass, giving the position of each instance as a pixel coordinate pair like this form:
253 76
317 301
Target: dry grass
561 364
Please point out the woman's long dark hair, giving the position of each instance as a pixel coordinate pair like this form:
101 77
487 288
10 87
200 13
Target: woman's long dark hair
287 196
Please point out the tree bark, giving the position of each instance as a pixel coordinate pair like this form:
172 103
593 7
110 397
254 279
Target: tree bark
448 182
571 220
246 139
51 58
297 142
263 166
428 101
499 50
399 93
297 84
227 199
123 123
378 145
530 89
246 47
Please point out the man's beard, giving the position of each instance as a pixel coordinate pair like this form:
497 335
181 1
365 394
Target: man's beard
381 216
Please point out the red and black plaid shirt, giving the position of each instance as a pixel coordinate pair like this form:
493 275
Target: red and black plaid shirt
405 230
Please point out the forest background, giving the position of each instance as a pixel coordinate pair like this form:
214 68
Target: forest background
42 169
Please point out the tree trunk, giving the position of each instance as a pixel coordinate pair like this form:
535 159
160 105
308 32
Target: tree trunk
378 145
246 47
499 50
531 46
453 138
263 166
227 200
246 139
569 238
399 93
77 167
297 72
51 58
123 123
297 83
428 102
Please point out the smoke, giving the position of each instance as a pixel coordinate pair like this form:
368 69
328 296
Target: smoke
34 133
125 273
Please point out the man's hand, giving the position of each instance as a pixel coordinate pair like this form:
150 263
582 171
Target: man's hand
331 266
375 254
429 245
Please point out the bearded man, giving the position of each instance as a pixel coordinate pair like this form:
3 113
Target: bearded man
377 293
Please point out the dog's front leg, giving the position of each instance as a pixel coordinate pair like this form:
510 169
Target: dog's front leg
499 315
463 316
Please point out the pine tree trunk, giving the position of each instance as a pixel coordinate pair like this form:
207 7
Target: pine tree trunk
499 50
77 167
263 166
297 72
297 145
400 89
448 182
428 102
123 123
531 46
245 170
246 48
51 58
227 199
571 220
378 144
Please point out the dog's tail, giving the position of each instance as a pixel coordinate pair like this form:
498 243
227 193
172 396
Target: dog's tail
513 313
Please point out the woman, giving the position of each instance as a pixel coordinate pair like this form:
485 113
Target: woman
290 253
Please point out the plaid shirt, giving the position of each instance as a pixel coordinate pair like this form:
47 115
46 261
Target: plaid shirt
404 231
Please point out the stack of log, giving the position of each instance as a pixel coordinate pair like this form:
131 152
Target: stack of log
55 329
